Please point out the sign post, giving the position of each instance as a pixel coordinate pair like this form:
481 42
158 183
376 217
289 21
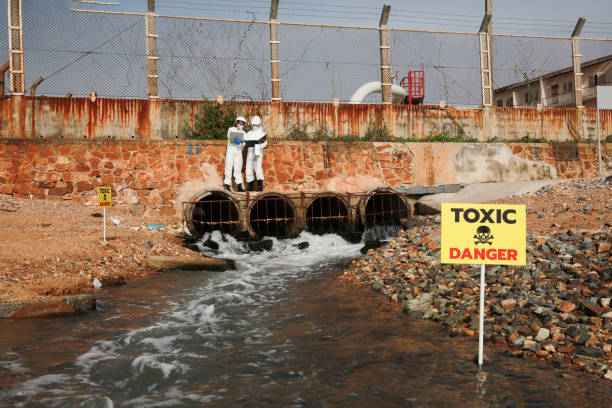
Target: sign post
104 200
485 234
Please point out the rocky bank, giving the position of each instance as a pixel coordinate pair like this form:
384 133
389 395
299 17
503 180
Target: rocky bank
556 308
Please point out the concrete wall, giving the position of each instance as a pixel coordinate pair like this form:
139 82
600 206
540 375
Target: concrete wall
157 176
107 118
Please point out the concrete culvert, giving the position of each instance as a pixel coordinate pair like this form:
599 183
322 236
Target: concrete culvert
212 211
272 215
384 207
328 214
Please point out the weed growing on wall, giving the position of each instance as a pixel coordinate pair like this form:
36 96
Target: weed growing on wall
378 131
213 121
449 137
298 133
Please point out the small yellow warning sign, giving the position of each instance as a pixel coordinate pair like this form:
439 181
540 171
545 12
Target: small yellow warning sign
104 197
490 234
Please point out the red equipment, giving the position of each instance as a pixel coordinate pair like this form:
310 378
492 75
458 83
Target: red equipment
414 84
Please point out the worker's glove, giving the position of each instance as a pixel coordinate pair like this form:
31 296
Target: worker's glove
237 140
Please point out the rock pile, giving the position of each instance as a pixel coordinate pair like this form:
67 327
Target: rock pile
557 307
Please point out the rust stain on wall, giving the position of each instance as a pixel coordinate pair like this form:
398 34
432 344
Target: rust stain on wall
26 117
429 167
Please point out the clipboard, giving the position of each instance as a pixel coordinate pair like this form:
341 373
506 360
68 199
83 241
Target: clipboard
235 134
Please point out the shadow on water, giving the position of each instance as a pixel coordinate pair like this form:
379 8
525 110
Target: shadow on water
288 333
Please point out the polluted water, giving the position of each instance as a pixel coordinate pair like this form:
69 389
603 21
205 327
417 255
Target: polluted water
281 330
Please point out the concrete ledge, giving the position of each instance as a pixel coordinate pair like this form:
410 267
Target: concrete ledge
191 263
55 305
436 189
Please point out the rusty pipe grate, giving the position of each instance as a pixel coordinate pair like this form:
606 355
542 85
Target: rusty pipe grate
328 214
215 211
272 215
276 214
385 208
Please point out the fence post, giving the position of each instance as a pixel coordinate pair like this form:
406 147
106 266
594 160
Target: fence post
385 54
489 10
274 74
15 31
152 57
576 62
3 69
486 73
486 69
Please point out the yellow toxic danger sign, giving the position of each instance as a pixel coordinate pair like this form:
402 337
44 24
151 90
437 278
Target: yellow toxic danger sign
488 234
104 197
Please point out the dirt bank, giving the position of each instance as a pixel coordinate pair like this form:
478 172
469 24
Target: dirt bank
557 307
52 248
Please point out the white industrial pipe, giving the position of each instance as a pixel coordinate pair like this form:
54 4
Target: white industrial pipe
372 87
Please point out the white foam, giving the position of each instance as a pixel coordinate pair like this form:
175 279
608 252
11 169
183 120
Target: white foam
142 362
215 314
380 233
195 311
164 344
41 384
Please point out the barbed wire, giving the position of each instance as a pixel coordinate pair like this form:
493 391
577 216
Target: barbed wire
208 57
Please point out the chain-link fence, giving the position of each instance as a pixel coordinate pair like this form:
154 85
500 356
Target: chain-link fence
322 63
451 63
85 53
518 64
4 48
209 58
77 53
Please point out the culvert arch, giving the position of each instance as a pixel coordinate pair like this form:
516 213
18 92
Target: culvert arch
384 207
272 214
328 212
213 210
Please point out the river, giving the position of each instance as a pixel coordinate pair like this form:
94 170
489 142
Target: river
279 331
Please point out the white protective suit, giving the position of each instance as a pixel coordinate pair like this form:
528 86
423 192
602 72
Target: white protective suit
233 159
255 153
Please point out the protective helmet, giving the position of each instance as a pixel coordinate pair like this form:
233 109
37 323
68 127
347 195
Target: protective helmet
240 119
255 121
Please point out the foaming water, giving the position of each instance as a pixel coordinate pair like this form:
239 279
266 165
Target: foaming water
380 233
280 330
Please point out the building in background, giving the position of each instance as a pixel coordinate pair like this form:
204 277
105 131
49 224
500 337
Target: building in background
556 89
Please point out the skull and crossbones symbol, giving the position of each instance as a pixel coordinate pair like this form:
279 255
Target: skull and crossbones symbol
483 235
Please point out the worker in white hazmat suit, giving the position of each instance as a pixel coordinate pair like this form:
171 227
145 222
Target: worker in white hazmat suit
233 155
255 142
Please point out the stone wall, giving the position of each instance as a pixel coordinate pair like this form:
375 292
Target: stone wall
157 176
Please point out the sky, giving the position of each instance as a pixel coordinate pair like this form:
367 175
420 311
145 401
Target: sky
535 17
78 53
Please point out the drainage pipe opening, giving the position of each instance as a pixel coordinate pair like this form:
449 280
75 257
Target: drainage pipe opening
384 208
212 211
328 214
272 215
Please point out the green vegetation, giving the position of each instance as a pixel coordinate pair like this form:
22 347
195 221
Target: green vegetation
378 131
214 120
573 131
448 137
298 133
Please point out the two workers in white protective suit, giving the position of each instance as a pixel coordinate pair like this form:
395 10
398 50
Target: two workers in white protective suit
255 141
